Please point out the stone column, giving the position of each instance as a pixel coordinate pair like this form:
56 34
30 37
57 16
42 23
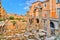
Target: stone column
48 28
40 20
48 24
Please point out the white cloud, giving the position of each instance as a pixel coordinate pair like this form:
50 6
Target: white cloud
29 3
26 8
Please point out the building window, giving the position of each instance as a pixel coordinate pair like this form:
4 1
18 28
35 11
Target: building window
58 11
44 4
57 1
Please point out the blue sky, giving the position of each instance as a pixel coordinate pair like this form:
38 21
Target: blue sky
19 7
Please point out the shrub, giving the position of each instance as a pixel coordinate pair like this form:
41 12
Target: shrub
14 22
24 20
18 18
11 18
1 19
